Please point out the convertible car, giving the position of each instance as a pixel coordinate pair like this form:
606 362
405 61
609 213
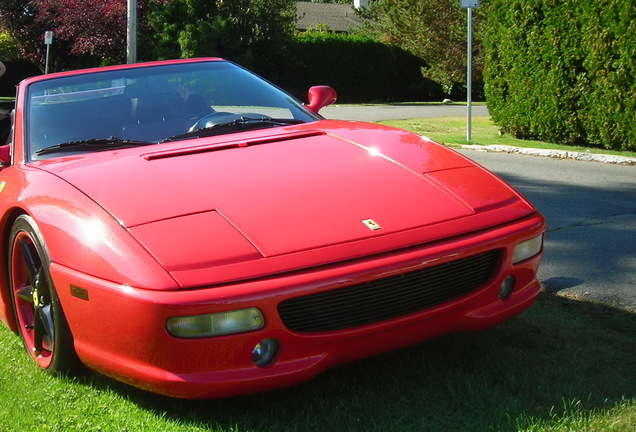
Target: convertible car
191 229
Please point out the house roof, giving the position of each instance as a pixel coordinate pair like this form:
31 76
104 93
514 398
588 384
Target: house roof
338 17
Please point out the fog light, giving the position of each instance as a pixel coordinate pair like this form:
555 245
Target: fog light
265 351
505 290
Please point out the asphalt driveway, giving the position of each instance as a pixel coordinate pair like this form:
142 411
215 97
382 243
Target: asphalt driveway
590 247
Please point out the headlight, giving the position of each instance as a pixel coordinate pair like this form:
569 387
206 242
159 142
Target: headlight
527 249
217 324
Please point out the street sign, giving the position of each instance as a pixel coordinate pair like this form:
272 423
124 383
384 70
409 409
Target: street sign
469 3
48 40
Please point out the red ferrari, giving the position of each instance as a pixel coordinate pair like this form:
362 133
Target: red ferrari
188 228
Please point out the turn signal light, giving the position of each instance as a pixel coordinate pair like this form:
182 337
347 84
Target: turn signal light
217 324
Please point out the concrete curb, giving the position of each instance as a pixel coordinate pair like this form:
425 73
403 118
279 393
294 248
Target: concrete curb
560 154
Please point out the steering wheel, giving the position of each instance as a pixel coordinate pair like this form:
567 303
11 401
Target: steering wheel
217 118
212 119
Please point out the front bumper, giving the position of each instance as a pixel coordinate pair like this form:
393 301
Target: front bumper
121 331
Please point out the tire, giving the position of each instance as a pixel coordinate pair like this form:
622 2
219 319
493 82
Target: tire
36 306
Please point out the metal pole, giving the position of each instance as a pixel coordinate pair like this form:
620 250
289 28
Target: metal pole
46 67
131 34
469 75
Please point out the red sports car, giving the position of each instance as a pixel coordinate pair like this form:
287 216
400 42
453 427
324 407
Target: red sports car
188 228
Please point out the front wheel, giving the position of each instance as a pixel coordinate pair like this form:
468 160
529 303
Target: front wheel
37 309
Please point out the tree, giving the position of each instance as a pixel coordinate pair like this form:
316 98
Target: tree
434 30
234 29
93 27
86 31
329 1
18 18
8 47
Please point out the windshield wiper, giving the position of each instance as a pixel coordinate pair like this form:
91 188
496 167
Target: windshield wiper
94 144
243 123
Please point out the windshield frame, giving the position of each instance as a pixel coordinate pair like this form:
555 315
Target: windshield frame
47 94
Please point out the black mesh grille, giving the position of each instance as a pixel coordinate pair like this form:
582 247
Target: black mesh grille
392 297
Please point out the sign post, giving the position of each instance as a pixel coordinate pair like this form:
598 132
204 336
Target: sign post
48 40
131 33
469 5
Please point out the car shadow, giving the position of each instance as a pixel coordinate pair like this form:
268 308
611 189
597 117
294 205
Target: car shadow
560 352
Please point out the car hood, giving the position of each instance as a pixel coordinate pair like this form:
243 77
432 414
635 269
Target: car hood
206 203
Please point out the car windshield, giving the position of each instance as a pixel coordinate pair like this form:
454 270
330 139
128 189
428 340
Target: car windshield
153 104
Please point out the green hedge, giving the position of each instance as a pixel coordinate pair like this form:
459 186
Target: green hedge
359 68
563 71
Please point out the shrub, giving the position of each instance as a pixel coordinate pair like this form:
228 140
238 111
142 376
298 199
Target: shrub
8 47
563 71
359 68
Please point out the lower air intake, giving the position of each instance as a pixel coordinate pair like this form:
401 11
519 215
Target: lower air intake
388 298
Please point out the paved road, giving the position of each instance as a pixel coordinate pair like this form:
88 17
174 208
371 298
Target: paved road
590 248
374 113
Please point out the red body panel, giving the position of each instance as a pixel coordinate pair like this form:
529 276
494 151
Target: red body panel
248 220
150 358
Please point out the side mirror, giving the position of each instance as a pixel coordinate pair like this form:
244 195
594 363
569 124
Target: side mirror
319 97
5 155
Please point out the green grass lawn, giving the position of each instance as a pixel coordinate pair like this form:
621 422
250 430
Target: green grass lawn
563 365
452 131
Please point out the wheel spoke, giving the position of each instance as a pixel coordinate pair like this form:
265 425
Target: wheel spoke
35 295
31 261
43 327
38 332
45 313
26 293
41 286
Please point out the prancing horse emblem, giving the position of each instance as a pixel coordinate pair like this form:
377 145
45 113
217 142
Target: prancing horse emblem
371 224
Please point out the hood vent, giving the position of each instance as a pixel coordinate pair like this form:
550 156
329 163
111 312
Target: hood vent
231 144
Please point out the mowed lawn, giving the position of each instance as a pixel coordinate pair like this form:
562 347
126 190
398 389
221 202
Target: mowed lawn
452 131
563 365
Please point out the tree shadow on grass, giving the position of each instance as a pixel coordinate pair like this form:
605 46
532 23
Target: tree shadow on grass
561 351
